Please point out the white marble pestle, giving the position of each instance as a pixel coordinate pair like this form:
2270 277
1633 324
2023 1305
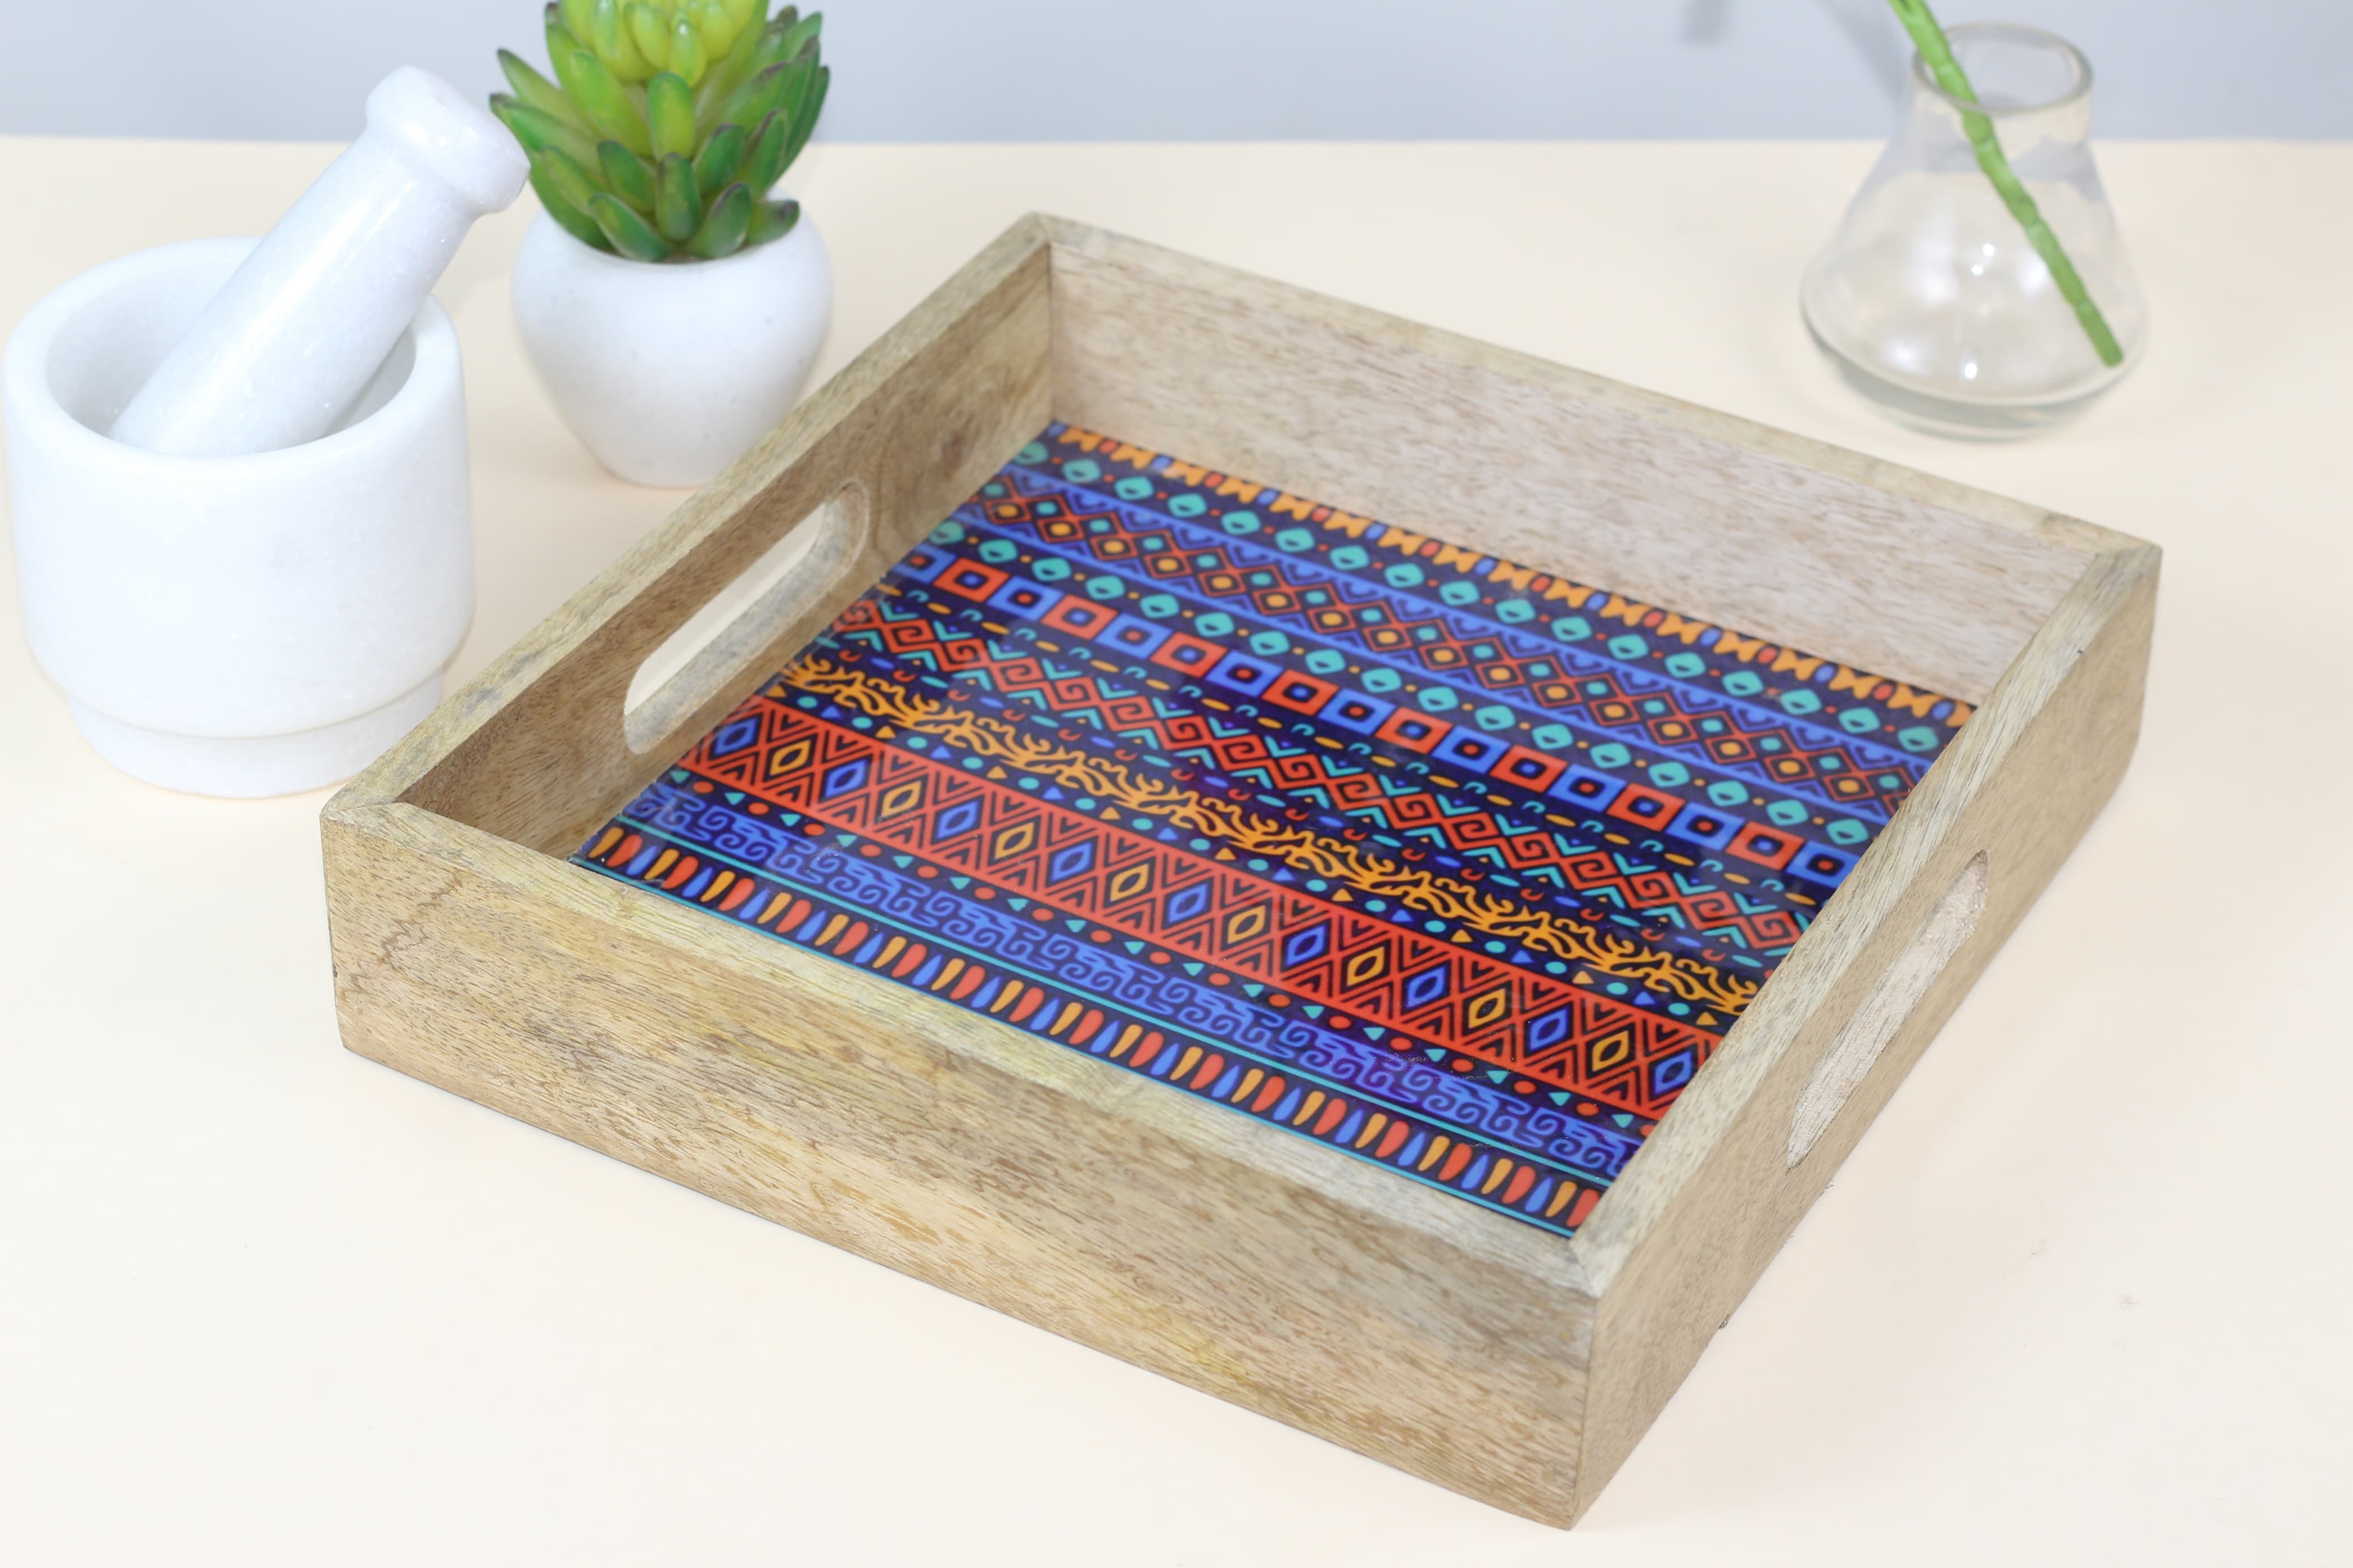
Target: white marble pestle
283 351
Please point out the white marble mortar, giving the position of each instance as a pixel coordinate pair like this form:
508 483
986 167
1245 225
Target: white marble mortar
242 625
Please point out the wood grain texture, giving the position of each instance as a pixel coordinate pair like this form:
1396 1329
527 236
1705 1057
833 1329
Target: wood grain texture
1710 1198
1204 1246
1896 996
534 748
1514 1365
1712 516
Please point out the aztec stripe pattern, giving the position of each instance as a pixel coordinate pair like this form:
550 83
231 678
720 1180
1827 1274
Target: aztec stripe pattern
1450 865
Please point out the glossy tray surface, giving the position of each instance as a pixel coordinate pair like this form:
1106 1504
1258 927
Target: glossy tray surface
1458 868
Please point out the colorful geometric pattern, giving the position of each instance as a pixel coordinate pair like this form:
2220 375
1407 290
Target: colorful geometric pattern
1454 865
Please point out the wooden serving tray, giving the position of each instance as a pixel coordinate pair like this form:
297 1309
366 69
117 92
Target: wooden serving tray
1373 875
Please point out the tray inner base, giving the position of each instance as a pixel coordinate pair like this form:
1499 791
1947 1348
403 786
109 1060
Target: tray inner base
1458 868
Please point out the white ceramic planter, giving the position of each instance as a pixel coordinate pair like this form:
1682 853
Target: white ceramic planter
667 371
233 625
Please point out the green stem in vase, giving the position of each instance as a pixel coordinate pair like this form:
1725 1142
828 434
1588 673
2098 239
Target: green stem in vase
1936 54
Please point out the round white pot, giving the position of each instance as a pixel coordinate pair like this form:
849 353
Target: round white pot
240 626
667 371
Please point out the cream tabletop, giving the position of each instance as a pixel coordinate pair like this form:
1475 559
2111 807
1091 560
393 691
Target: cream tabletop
2077 1298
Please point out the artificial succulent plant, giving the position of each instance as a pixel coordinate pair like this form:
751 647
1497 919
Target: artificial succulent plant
667 124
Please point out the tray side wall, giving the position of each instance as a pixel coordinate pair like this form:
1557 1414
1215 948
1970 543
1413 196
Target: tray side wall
1101 1208
1702 1211
535 749
1554 469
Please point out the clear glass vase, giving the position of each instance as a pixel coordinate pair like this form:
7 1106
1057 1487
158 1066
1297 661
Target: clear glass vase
1932 301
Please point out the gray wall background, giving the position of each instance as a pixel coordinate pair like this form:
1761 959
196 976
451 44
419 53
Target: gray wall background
1100 71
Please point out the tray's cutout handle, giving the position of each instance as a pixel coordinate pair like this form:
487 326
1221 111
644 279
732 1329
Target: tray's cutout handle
707 655
1885 1010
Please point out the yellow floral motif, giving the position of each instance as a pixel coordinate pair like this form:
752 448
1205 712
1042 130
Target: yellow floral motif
1301 850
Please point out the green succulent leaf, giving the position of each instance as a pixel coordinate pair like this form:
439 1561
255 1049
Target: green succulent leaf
535 93
535 130
601 97
574 222
554 169
722 23
724 231
764 165
726 74
806 122
629 233
789 41
617 42
626 175
750 105
579 16
649 30
563 43
800 77
720 157
570 217
670 112
773 221
678 203
688 56
765 52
